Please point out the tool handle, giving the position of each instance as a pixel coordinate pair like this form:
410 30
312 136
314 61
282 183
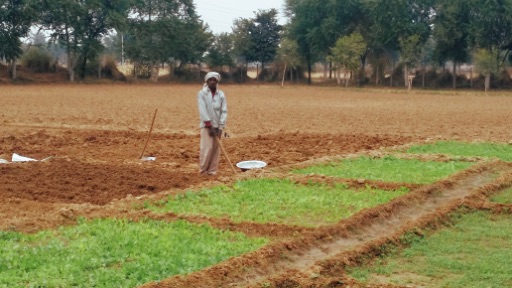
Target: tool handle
149 133
224 152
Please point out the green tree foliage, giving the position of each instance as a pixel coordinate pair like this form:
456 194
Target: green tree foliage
344 18
241 42
191 43
256 39
389 26
394 19
306 17
264 37
487 62
410 53
451 31
241 38
426 58
316 25
288 53
491 30
491 23
113 45
38 59
158 32
346 54
220 53
389 21
79 25
164 31
16 17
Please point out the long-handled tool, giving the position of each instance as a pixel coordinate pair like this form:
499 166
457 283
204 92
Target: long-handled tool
149 133
224 152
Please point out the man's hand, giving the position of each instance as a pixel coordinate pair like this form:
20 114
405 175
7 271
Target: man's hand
211 131
219 132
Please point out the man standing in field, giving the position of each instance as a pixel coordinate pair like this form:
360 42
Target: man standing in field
213 112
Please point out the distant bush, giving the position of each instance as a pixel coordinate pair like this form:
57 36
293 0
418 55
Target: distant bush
109 70
104 67
142 70
37 59
188 74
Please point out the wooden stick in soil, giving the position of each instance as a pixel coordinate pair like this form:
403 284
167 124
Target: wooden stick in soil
224 152
149 133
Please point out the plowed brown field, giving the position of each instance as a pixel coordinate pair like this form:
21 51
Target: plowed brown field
96 133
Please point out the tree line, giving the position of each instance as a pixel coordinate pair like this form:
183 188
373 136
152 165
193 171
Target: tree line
363 42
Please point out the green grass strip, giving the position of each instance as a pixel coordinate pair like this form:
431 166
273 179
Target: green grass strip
389 169
491 150
475 252
115 253
279 201
504 197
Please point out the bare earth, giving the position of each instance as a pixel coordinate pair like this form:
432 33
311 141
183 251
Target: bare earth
96 133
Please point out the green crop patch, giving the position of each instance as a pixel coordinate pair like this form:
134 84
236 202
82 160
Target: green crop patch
474 252
490 150
278 201
504 197
388 168
115 253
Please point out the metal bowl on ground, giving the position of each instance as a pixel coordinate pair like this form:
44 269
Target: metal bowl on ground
251 164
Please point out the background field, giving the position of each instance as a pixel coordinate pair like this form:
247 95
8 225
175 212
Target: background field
95 134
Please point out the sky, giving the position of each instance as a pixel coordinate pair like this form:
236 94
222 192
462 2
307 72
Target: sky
219 15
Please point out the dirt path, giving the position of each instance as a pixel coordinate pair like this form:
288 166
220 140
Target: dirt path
383 228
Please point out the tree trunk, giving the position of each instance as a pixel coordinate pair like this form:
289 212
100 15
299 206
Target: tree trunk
84 62
171 71
454 75
423 76
309 70
71 73
487 81
230 72
71 66
71 58
377 76
257 73
391 77
406 76
155 69
99 70
471 77
284 73
246 70
14 72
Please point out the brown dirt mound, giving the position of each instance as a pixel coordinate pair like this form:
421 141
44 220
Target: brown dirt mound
65 181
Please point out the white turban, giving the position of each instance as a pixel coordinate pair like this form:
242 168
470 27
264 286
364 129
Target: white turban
212 75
